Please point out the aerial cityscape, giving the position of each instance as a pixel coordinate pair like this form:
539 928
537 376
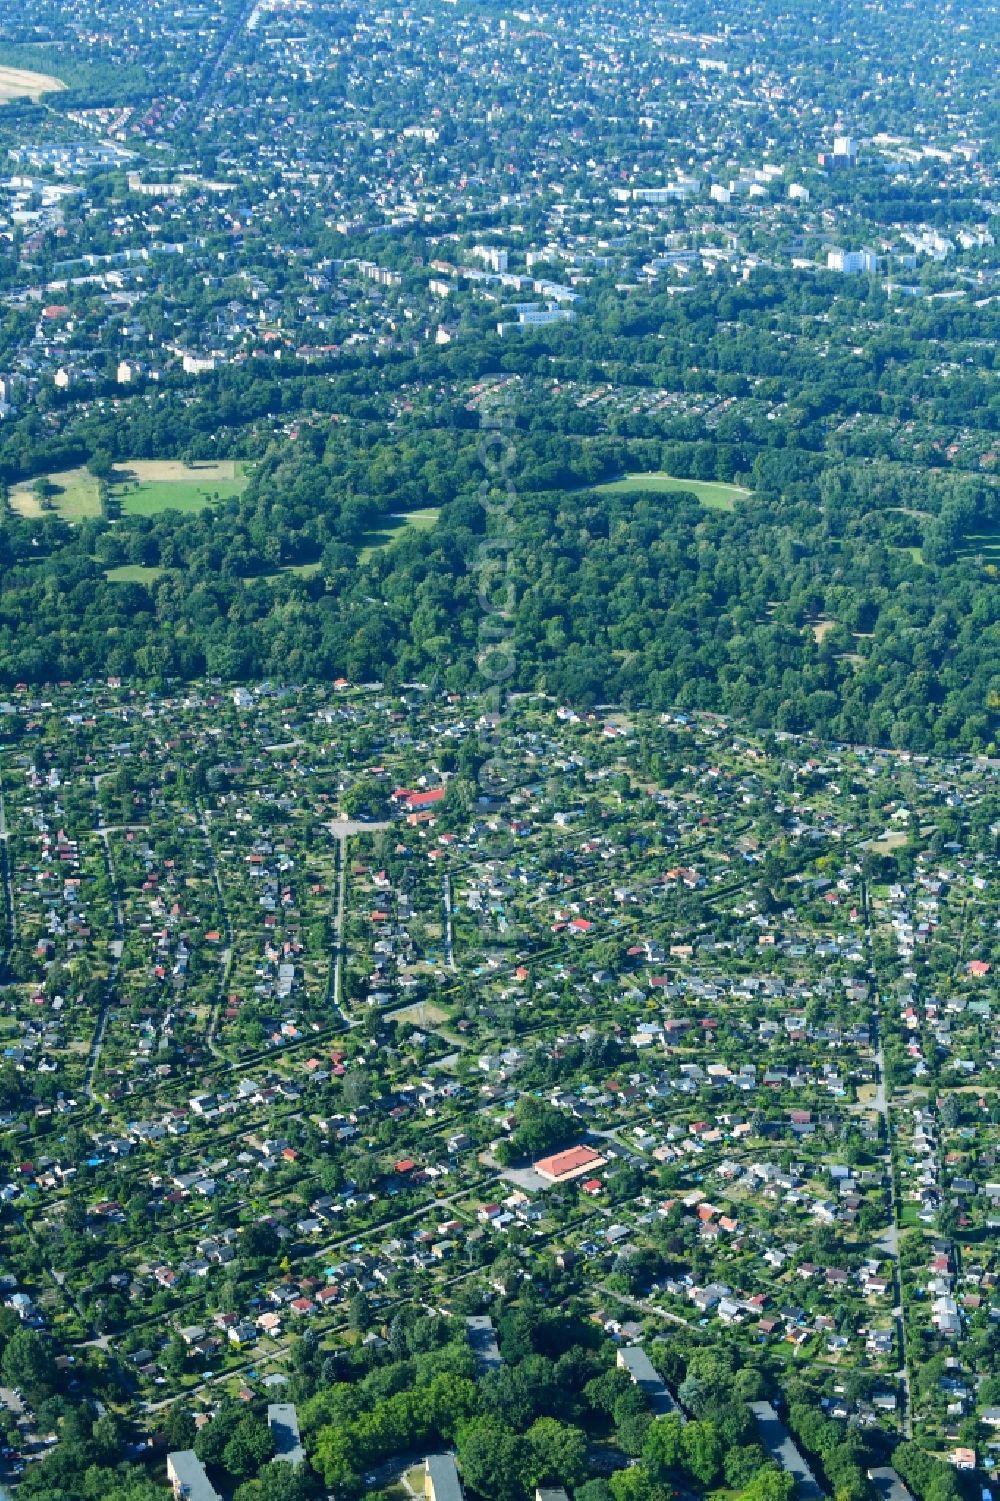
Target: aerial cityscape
499 751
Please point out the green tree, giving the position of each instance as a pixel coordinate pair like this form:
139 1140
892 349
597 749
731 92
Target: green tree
701 1452
277 1481
359 1312
770 1484
179 1426
336 1462
174 1356
558 1453
250 1446
634 1484
539 1128
109 1434
365 799
495 1461
662 1452
742 1463
450 1401
28 1361
213 1438
604 1391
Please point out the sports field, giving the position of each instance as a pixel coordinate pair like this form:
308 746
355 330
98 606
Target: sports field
713 494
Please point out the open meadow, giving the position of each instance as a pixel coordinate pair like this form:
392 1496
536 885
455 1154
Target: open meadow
144 487
393 527
73 496
712 494
20 83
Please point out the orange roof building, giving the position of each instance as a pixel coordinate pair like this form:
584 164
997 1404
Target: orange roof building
563 1166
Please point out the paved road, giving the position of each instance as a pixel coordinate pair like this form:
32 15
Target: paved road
8 880
393 1470
109 995
449 945
28 1443
888 1243
643 1307
338 925
434 1207
12 1402
342 830
203 80
345 828
226 957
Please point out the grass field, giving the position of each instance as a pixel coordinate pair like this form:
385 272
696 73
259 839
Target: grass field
75 496
148 486
893 839
711 493
133 573
418 521
18 83
143 487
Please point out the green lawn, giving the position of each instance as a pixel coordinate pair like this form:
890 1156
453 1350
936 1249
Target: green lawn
712 494
133 573
143 487
74 497
149 497
418 521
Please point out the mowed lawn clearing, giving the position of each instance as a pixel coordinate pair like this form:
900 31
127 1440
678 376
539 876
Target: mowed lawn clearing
133 573
145 487
74 496
393 526
712 494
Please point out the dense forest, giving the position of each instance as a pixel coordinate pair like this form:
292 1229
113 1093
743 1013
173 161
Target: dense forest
841 595
626 597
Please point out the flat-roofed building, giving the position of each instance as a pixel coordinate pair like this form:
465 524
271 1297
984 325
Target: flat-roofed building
441 1482
483 1343
187 1477
888 1484
634 1360
778 1443
283 1421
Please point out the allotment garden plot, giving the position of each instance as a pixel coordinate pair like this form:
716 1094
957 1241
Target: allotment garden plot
276 863
60 930
171 966
687 956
